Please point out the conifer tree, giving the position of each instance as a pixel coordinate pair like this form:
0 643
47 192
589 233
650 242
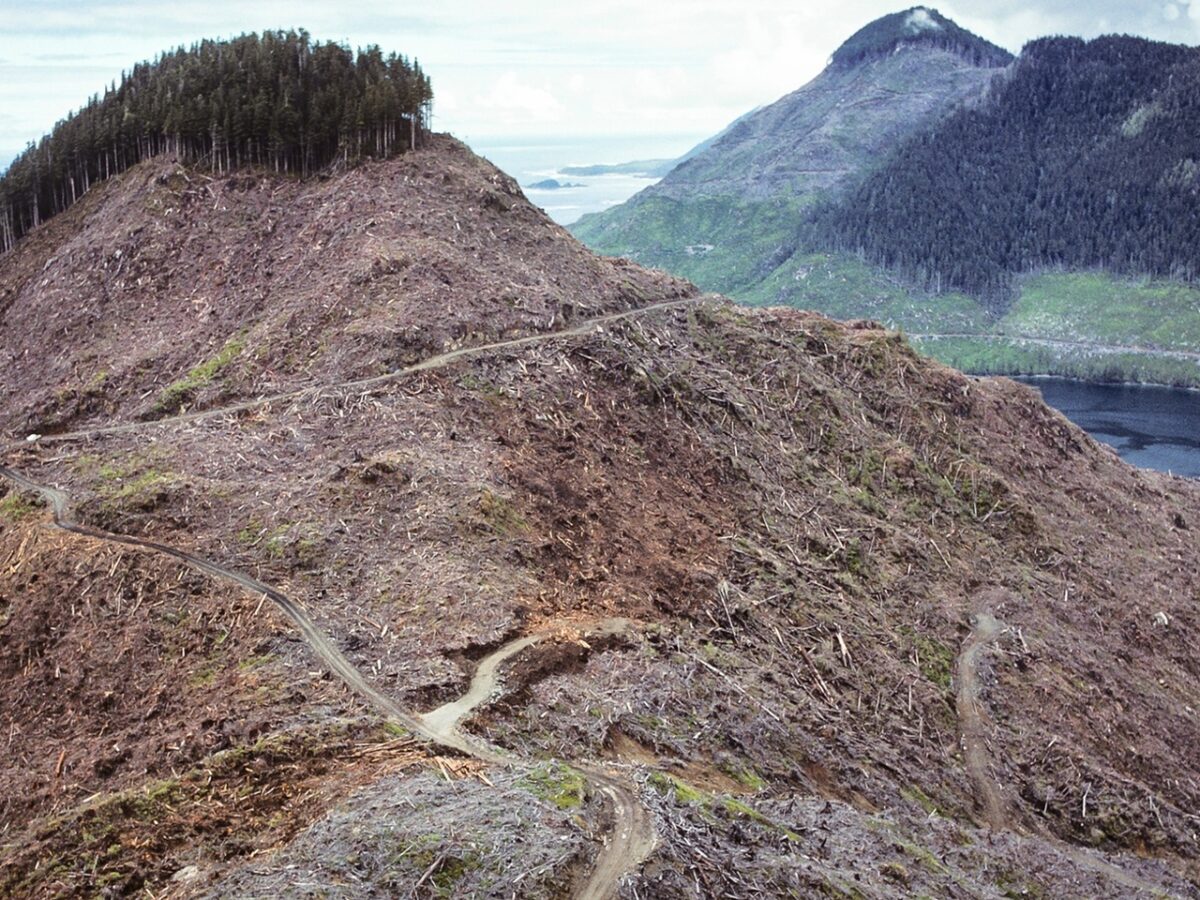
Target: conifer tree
277 100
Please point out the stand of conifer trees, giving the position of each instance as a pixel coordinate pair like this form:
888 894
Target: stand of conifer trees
1086 156
277 99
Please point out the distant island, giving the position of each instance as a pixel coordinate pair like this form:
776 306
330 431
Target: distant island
553 184
652 168
645 168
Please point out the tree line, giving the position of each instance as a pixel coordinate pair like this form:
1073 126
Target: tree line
1086 155
277 99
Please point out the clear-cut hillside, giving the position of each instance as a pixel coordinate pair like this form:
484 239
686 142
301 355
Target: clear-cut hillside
175 289
722 601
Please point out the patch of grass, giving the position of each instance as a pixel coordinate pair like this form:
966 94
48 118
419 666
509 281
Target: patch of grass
1014 884
744 775
1104 308
845 287
1085 311
95 384
686 794
134 481
394 730
274 541
935 658
16 507
255 662
143 484
294 539
718 242
451 871
175 395
556 783
679 790
251 534
204 676
919 797
925 858
500 515
1004 355
480 385
426 853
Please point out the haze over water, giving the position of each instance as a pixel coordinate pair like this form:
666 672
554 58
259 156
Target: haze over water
533 160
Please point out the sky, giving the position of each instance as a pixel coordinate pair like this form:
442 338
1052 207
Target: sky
526 70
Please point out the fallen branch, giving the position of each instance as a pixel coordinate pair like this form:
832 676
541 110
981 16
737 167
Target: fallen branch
741 690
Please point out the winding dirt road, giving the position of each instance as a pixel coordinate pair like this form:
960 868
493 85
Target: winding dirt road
989 795
366 384
971 724
632 837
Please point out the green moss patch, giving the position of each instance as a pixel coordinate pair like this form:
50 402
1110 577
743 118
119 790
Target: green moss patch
17 507
556 783
175 395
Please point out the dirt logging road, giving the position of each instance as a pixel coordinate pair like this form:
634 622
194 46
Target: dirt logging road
971 724
628 835
993 809
632 835
368 384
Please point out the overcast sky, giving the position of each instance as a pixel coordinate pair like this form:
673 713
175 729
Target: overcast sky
522 69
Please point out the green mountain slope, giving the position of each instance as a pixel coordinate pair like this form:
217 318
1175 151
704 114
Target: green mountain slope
727 217
1036 218
1085 157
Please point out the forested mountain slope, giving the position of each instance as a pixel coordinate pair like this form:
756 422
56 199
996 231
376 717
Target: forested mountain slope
727 217
1087 156
1048 225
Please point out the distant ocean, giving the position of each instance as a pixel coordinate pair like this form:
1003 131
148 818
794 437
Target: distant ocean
531 160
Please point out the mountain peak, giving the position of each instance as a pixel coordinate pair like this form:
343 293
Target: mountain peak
919 26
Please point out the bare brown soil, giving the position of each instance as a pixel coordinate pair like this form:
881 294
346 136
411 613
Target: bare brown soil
797 516
120 668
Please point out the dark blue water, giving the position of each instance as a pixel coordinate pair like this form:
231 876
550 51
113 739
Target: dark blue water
1152 427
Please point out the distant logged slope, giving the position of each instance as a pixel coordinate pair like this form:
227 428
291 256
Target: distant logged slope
730 602
727 217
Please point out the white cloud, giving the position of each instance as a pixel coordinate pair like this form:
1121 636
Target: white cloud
1170 12
514 99
919 20
530 67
